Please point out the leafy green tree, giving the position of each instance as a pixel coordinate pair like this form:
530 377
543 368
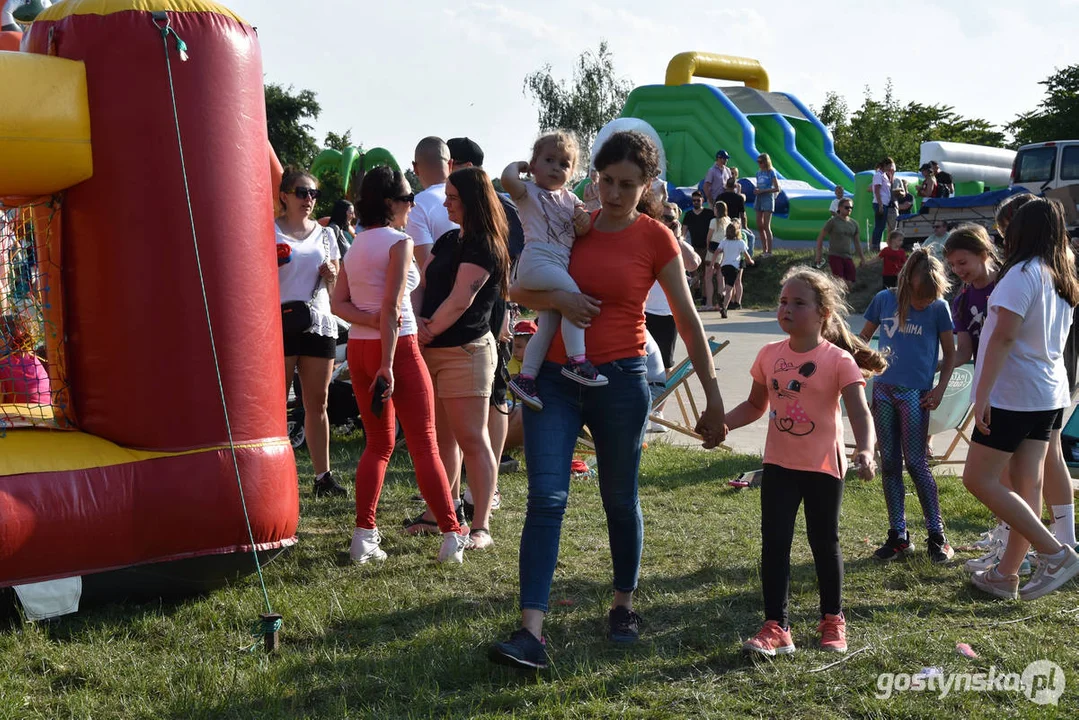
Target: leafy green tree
413 181
290 135
886 127
1057 116
595 97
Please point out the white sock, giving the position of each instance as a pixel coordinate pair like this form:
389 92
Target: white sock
1063 527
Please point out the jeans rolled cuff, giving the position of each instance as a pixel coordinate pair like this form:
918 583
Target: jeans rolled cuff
535 606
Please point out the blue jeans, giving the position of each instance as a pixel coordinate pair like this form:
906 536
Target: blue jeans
615 415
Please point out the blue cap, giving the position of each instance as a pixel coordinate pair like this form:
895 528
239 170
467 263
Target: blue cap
722 154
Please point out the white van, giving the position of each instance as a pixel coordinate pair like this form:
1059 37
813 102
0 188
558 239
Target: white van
1051 168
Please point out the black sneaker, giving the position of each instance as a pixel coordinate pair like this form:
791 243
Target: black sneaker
734 306
624 625
521 651
938 548
895 546
509 464
326 486
723 313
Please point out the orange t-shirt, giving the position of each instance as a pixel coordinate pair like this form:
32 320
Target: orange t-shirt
805 429
618 269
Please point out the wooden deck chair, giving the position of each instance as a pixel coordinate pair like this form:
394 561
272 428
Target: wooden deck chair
677 385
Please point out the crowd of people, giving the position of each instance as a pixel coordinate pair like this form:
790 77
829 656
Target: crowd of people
426 281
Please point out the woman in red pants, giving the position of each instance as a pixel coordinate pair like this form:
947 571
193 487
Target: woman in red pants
389 376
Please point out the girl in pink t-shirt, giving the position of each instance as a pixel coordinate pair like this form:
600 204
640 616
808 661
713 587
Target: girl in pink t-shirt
802 379
23 379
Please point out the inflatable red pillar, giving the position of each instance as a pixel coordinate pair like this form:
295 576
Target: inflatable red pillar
140 364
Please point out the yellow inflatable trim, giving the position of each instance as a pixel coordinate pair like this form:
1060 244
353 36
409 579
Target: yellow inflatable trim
44 124
46 451
683 67
109 7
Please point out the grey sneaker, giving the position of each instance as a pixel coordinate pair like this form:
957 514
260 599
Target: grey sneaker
1053 571
991 558
992 582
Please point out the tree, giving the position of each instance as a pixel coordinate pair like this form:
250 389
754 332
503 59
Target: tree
1057 116
885 127
290 136
595 98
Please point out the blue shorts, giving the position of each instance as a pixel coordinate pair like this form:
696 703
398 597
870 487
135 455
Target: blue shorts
765 203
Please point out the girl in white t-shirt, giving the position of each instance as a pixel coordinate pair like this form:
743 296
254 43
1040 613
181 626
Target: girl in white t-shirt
732 249
1020 391
717 230
552 217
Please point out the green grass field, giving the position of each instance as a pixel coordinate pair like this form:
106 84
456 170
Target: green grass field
407 639
761 282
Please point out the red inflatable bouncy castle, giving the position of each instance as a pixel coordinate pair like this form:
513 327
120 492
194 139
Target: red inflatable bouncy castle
147 475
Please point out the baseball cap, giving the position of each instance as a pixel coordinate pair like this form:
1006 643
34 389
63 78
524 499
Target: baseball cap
722 154
465 150
525 327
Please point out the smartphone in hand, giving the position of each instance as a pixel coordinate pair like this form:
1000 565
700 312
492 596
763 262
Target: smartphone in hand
377 400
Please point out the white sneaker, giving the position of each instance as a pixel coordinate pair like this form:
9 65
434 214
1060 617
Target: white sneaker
991 558
655 427
1053 571
453 548
365 546
989 538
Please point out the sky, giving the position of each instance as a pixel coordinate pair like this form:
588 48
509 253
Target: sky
394 72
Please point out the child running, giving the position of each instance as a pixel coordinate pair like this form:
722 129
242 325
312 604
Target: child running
553 217
914 319
893 256
1020 392
802 378
732 249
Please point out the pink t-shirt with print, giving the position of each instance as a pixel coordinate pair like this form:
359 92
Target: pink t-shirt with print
805 429
23 380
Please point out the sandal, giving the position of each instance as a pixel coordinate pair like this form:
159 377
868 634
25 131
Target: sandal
481 539
419 526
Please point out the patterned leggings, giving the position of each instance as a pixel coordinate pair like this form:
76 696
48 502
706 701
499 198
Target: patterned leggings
902 429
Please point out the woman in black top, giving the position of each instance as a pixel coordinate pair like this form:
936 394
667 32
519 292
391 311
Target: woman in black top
466 272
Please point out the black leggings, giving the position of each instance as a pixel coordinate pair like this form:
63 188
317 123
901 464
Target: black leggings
782 491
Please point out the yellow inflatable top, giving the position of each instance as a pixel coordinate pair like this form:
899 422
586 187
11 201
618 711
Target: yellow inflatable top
108 7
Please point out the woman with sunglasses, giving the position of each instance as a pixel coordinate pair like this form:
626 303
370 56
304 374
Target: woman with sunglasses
308 261
467 270
389 377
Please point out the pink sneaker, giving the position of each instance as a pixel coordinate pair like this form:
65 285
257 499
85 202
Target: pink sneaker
833 633
772 640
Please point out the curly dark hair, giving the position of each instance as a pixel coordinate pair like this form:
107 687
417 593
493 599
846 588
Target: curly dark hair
637 148
379 185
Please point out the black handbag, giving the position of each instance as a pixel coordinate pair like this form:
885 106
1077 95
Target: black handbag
297 316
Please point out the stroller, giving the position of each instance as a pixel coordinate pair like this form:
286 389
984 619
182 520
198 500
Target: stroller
340 402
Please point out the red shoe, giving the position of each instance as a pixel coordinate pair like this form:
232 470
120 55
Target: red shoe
833 633
772 640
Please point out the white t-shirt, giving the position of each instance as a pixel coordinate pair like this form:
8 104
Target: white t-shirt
366 263
732 251
718 228
656 302
298 277
547 215
1033 375
834 207
429 220
881 180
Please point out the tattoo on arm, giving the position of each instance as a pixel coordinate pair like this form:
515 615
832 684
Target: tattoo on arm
476 285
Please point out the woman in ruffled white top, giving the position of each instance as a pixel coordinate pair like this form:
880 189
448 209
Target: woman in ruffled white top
308 262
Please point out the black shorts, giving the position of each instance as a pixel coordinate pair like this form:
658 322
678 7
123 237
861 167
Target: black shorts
308 344
665 333
500 392
730 274
1009 428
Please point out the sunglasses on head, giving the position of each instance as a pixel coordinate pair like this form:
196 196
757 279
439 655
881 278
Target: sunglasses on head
305 192
410 198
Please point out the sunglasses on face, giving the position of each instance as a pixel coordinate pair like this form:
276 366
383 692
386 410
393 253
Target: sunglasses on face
303 193
410 198
844 207
668 218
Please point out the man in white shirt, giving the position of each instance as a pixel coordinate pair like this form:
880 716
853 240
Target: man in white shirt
429 219
882 199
